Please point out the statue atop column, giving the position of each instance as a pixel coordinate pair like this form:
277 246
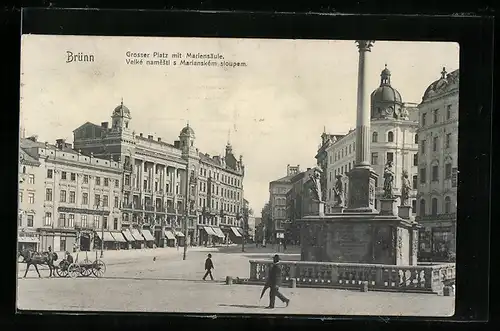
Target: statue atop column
339 192
388 181
405 189
316 184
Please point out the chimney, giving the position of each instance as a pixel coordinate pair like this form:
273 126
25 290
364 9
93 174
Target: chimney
150 137
177 144
159 139
104 125
60 143
140 134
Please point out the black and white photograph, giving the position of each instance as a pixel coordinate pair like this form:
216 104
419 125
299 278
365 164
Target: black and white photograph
237 175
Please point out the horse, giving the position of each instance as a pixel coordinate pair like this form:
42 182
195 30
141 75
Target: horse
36 258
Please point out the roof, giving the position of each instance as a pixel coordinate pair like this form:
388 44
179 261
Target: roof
85 124
27 158
187 130
121 110
286 179
448 82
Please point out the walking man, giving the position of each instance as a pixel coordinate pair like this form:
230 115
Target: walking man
208 267
273 282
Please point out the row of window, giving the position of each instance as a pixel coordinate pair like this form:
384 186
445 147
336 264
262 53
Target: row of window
229 207
71 198
435 173
86 221
347 150
435 143
434 206
280 213
29 220
226 193
72 177
213 221
435 116
229 180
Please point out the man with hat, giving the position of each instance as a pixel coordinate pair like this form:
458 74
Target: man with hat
273 282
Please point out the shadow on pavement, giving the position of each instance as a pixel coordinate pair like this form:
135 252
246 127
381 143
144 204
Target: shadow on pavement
242 306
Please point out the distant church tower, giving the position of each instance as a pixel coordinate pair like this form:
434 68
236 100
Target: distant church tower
121 118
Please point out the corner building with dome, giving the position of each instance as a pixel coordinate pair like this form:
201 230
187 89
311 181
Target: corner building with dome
153 192
394 126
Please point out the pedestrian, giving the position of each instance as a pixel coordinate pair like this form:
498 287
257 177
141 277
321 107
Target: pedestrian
273 282
209 265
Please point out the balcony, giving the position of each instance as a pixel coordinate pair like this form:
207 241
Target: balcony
170 195
85 225
438 217
171 210
149 208
159 192
127 206
160 209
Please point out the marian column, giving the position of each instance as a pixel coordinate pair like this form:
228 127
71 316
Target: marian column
362 179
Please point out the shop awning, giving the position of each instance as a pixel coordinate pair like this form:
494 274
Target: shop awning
108 237
118 237
235 231
128 235
179 234
28 239
209 231
218 232
137 235
169 235
147 235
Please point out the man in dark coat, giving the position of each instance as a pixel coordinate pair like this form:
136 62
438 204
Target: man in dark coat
209 265
273 282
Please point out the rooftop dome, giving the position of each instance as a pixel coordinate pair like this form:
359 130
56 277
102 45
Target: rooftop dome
385 92
187 131
121 110
447 82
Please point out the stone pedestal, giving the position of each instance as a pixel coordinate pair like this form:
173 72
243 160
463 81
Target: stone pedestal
316 208
337 209
404 212
362 183
387 206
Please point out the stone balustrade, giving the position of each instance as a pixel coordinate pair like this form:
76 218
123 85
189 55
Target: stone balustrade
426 277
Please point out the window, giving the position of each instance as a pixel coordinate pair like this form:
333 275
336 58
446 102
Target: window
98 180
105 222
73 176
104 200
423 174
416 139
30 221
47 221
435 115
106 182
435 144
97 199
48 194
374 137
422 207
62 196
390 156
63 175
116 202
447 171
50 173
31 179
145 184
415 159
435 173
96 221
447 205
415 181
434 207
414 206
117 183
31 198
24 169
448 112
62 220
72 198
127 180
84 221
422 147
448 140
20 197
115 224
85 198
390 136
350 149
71 220
424 119
85 179
374 158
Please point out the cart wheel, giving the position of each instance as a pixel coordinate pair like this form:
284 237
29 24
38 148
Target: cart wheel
99 268
74 270
62 269
86 270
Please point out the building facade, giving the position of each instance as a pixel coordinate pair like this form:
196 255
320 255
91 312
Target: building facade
278 190
394 126
438 167
169 187
78 197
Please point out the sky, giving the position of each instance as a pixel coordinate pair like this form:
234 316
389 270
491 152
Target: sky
273 110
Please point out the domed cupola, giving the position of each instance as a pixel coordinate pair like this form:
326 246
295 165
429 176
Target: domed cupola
448 82
121 118
187 137
386 101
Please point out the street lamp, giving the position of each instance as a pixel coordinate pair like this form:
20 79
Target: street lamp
102 229
190 182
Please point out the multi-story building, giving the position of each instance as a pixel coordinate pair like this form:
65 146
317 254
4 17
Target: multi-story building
277 199
394 126
78 197
298 205
156 176
30 206
438 162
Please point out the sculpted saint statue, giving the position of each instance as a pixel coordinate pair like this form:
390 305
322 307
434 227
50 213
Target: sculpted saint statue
339 192
388 180
405 189
316 184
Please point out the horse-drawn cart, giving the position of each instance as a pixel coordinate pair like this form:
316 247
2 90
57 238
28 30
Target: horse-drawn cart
84 268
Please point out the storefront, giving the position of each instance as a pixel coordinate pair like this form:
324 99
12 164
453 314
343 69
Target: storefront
206 236
436 244
170 238
59 240
139 239
235 235
129 238
181 239
121 243
28 240
149 239
107 238
86 241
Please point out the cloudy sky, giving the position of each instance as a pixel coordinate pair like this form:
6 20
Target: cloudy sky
275 107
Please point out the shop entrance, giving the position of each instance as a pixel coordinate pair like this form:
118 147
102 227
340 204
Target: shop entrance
85 242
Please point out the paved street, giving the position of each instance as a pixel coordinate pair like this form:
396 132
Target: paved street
170 284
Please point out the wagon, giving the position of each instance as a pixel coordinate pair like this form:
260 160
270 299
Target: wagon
84 268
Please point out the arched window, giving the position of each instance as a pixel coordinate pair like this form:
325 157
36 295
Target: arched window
390 136
422 207
374 137
434 206
416 139
24 169
447 205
